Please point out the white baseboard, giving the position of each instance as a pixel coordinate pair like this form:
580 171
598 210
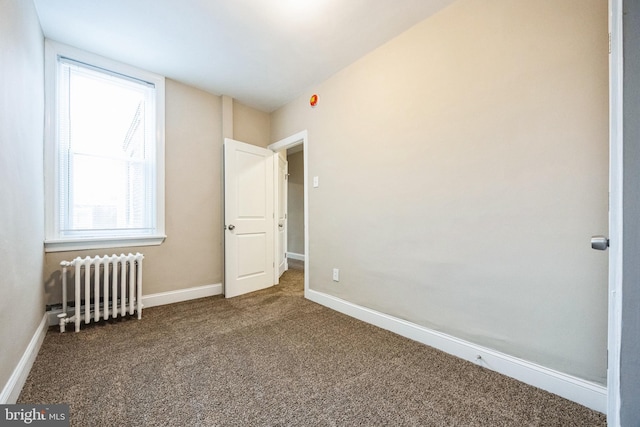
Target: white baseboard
180 295
13 387
160 298
586 393
293 255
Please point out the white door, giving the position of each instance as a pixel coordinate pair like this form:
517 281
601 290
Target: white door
249 218
283 173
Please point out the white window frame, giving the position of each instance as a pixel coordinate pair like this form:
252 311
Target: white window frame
54 242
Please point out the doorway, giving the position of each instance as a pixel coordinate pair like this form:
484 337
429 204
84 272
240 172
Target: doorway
295 244
295 252
252 242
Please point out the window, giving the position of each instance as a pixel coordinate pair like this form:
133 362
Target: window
104 153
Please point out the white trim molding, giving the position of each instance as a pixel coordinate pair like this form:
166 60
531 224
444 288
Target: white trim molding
293 255
63 245
13 387
586 393
290 141
181 295
161 298
616 210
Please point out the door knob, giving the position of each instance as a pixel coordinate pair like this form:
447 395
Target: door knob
599 243
232 227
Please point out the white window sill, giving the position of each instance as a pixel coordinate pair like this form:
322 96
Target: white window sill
64 245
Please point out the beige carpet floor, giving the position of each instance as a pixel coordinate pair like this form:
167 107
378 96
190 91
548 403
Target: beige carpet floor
272 358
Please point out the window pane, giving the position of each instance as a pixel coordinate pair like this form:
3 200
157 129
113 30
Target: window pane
107 193
107 174
105 116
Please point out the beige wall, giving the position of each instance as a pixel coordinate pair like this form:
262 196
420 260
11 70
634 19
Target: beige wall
192 253
21 180
463 169
295 203
250 125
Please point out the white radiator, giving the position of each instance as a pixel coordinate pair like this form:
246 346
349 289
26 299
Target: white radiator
112 286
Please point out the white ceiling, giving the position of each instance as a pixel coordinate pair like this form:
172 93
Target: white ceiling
263 53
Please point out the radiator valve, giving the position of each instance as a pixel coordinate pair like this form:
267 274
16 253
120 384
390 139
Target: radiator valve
63 321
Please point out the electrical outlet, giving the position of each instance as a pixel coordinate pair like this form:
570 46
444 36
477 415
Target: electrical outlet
336 275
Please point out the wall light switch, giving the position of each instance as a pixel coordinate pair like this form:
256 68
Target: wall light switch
316 182
336 275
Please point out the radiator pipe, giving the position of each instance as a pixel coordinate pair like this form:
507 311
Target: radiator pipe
62 321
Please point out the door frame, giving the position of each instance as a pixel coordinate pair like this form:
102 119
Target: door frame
276 205
615 211
300 138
